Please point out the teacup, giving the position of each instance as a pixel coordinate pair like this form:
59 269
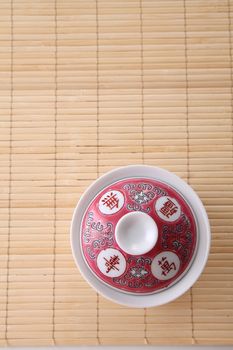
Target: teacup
140 236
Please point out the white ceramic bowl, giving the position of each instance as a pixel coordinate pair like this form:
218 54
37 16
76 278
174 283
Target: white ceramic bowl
198 263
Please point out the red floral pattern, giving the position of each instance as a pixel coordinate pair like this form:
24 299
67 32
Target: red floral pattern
178 237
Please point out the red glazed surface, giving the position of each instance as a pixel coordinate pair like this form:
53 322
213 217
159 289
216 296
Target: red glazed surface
166 262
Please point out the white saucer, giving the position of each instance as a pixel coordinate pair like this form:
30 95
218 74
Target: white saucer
201 257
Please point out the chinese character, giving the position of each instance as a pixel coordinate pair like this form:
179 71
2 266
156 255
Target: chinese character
112 262
165 266
169 208
111 201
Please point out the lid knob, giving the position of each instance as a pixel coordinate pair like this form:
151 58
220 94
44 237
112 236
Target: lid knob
136 233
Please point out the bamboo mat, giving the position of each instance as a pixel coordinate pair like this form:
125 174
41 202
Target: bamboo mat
87 86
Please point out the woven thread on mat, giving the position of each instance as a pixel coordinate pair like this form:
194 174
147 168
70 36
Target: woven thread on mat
55 176
187 130
142 126
142 81
97 151
188 145
231 65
